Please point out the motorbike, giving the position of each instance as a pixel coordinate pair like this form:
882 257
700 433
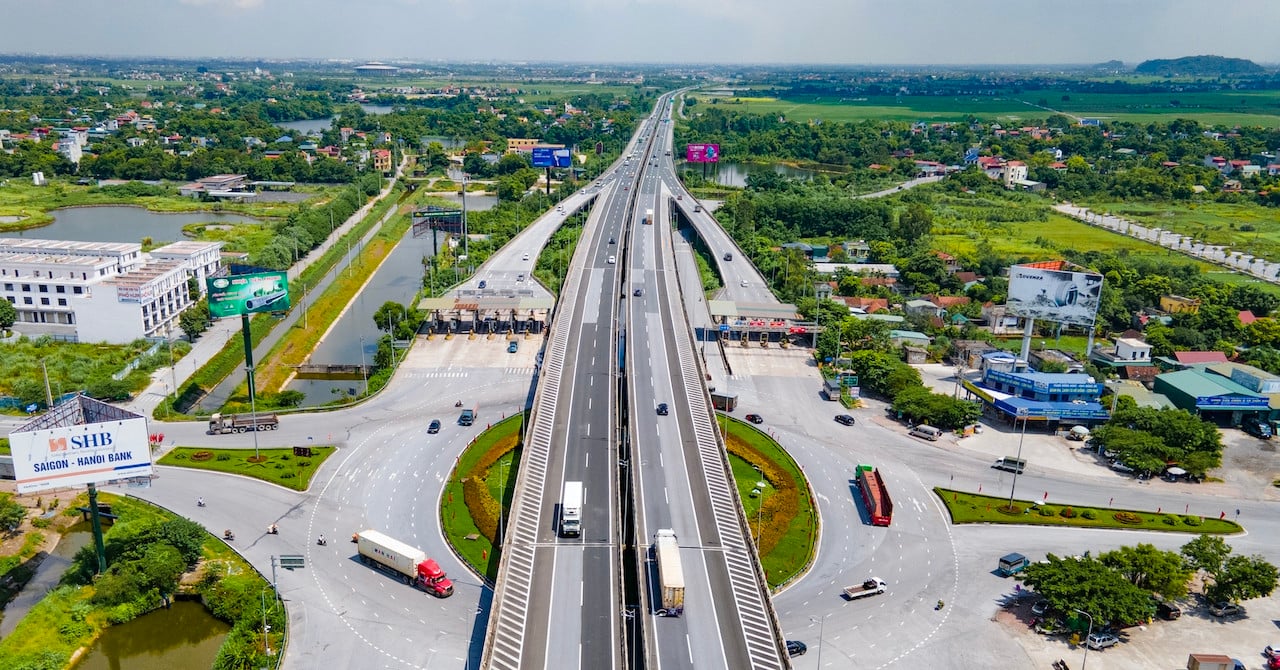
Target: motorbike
272 530
321 541
228 535
200 502
458 404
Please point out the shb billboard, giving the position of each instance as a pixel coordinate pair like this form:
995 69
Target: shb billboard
246 294
83 454
557 157
702 153
1054 295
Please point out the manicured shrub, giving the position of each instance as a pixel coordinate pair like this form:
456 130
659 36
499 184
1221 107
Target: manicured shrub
1127 518
1192 520
1067 513
1089 514
1046 511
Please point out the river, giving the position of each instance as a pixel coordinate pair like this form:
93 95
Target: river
730 173
306 126
183 636
121 223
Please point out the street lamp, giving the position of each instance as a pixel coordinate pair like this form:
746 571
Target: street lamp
1086 639
1022 412
822 622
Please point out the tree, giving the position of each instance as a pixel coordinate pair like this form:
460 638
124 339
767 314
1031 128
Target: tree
1086 584
1207 552
194 320
8 315
11 514
1243 578
1147 567
389 314
184 535
914 223
937 409
1137 449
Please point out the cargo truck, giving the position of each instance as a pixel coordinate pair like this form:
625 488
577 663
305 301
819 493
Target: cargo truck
412 564
871 587
571 510
648 217
239 423
875 495
670 573
725 402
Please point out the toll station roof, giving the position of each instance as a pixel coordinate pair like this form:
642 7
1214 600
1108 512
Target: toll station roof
485 303
750 310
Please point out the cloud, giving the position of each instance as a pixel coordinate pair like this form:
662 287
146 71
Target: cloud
229 4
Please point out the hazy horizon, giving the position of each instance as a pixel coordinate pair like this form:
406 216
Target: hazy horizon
877 33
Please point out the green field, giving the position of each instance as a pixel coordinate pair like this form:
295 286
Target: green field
278 466
1253 108
974 508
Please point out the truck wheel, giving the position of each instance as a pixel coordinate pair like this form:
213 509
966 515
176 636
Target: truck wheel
240 429
275 426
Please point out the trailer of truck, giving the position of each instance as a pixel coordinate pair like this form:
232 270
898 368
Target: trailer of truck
571 510
871 587
239 423
670 573
410 563
875 495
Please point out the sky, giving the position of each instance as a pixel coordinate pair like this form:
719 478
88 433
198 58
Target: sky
845 32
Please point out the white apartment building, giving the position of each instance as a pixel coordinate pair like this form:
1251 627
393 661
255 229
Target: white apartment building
98 291
202 259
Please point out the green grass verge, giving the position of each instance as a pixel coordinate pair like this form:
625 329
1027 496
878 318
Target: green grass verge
976 508
279 467
793 553
460 529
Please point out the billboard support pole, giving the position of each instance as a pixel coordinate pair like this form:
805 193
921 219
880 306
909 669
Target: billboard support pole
248 371
1026 339
96 523
548 182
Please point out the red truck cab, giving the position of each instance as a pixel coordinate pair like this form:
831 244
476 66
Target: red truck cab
433 579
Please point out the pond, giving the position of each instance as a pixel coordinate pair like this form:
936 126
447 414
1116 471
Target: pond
182 636
306 126
121 223
730 173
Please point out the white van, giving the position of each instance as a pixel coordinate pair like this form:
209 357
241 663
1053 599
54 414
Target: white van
927 432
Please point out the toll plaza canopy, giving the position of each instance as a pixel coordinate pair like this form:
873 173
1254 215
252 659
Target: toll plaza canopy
726 311
466 313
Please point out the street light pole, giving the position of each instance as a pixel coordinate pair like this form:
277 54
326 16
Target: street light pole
1022 412
822 622
1086 639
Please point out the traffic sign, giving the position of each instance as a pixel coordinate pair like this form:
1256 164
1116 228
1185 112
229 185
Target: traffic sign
291 561
724 327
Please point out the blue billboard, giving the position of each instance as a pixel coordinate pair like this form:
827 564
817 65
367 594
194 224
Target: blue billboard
545 157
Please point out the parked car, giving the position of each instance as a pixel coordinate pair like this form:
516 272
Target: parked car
662 409
1257 428
844 419
1102 640
1167 610
1225 609
1272 650
1040 608
434 426
513 347
755 418
1121 468
796 648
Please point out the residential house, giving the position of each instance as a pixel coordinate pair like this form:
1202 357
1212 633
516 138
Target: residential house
866 305
382 160
1014 172
1218 163
925 308
951 262
909 337
522 145
1246 317
135 142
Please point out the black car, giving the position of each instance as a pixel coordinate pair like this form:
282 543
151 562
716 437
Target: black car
662 409
796 648
844 419
1168 610
612 241
434 426
639 292
755 418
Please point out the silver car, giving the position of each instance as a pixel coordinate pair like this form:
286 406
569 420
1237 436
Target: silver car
1102 640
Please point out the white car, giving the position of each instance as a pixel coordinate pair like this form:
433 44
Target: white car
1102 641
524 257
743 283
612 260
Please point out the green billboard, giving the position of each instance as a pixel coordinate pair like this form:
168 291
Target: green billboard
247 294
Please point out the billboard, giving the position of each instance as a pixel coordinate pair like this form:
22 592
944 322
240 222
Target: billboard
557 157
1054 295
247 294
81 454
702 153
436 218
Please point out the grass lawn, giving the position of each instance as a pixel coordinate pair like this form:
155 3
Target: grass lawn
280 467
975 508
459 528
793 552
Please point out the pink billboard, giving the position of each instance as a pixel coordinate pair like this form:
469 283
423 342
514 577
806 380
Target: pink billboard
702 153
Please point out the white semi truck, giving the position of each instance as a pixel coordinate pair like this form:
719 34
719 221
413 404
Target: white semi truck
670 573
571 510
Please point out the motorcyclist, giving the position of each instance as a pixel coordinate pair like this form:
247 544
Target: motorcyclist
200 502
321 541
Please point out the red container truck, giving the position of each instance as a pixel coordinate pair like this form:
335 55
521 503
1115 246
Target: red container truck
875 495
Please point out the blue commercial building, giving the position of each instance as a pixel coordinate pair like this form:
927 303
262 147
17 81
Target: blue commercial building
1051 398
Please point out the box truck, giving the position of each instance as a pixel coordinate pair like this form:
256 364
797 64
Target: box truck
412 564
571 510
670 573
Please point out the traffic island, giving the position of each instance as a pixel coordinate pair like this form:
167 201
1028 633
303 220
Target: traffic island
977 508
478 495
291 468
781 513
